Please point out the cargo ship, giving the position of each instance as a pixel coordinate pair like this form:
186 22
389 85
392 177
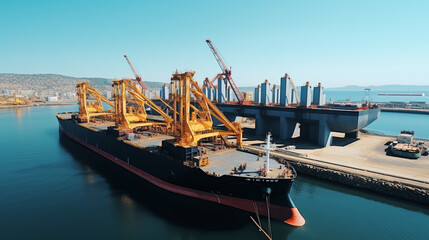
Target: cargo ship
183 152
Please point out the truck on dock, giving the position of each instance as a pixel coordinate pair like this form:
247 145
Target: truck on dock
404 146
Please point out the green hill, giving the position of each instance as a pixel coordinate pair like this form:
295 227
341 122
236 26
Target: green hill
56 82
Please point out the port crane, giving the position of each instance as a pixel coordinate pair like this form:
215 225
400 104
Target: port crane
195 120
132 116
14 100
190 121
226 72
138 77
143 85
294 88
88 109
207 83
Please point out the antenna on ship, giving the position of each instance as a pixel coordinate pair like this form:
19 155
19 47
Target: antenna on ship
268 146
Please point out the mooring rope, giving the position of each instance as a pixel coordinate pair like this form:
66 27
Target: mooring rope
260 228
267 199
255 206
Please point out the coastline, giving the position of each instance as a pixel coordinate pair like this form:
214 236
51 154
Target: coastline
36 104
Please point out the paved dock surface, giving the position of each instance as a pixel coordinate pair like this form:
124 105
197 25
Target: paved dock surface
364 157
368 153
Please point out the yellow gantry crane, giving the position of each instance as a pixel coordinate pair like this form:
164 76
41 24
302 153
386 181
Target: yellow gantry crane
88 109
191 121
195 121
14 100
130 116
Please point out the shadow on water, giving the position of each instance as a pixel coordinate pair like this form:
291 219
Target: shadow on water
176 209
367 194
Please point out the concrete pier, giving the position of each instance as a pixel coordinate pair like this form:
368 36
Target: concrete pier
361 163
316 124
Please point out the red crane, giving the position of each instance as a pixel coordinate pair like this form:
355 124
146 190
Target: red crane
226 72
138 77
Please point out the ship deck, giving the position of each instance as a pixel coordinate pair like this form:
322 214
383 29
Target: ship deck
221 161
224 161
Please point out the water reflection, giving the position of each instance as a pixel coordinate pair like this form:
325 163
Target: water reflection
89 176
19 112
308 184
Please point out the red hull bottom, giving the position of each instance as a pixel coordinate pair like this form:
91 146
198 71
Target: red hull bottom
287 215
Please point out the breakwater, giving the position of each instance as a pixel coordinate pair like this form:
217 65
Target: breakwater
401 94
406 110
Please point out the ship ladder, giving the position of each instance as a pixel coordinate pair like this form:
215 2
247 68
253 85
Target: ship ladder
258 224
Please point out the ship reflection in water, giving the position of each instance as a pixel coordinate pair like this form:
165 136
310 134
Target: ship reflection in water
139 206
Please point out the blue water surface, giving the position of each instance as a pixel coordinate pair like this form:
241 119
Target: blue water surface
52 188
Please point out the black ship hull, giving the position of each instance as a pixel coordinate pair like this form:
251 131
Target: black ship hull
163 171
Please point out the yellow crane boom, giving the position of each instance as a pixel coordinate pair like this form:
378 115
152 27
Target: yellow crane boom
14 99
88 109
192 126
127 117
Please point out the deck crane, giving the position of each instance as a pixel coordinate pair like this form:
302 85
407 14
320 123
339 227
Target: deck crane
130 117
138 77
89 109
226 72
196 119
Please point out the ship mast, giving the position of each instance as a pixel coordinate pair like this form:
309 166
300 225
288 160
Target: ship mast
268 146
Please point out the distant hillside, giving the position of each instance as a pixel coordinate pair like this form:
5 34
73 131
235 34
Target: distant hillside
43 83
97 81
416 88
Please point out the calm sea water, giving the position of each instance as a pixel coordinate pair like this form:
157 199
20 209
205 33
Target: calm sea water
391 123
52 188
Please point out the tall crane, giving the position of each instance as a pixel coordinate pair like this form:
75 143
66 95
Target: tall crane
226 72
294 88
143 85
138 77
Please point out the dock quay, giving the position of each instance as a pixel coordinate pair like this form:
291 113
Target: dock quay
360 163
405 110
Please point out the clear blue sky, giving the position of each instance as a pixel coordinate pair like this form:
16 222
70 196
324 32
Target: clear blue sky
337 43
